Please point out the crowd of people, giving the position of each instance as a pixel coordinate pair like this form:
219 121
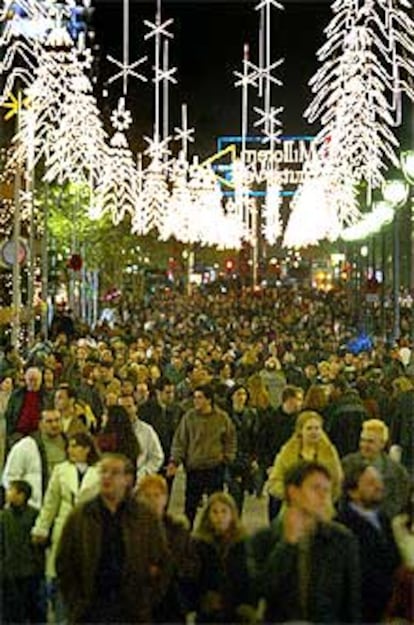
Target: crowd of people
268 395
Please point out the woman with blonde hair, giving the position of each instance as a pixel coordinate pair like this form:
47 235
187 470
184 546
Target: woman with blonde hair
308 442
223 584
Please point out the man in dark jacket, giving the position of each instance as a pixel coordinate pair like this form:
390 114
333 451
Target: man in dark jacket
305 567
25 406
164 414
346 414
112 561
364 490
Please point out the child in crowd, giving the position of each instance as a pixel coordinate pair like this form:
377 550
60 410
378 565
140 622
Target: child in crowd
22 569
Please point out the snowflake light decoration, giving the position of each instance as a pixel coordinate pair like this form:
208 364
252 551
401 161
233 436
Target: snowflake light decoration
121 118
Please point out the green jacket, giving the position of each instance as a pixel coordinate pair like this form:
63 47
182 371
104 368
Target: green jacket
318 582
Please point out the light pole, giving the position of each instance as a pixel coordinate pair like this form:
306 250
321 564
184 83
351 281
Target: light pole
396 193
407 166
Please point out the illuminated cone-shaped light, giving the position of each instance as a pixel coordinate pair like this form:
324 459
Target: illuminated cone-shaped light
117 191
272 228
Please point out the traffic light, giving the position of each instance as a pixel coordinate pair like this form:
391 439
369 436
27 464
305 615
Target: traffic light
229 265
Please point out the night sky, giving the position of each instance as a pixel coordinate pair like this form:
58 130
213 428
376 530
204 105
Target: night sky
207 48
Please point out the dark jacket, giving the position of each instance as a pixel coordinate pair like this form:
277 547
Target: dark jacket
379 560
145 572
319 583
276 429
163 420
223 577
18 556
180 595
395 477
344 420
246 429
402 428
14 407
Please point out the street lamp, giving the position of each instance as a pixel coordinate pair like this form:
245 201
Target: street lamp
396 193
407 166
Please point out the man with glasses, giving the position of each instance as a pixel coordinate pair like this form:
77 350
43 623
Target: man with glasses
112 561
204 442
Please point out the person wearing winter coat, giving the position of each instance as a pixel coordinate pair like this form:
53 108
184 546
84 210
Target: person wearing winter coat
72 481
205 442
305 567
241 472
34 457
308 443
112 562
362 515
22 563
178 601
224 591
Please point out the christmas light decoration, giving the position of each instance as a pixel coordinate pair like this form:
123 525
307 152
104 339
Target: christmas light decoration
272 227
368 63
179 219
382 213
126 68
78 142
117 191
153 200
121 119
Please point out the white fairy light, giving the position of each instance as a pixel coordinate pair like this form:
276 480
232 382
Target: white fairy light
180 220
358 88
117 191
153 200
78 142
272 227
367 63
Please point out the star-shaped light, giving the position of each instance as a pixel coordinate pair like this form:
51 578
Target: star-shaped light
269 3
268 118
84 57
246 79
158 28
165 75
14 105
157 149
126 69
121 118
265 72
184 134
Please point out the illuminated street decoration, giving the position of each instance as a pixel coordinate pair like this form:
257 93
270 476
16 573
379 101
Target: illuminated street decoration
272 226
77 145
262 77
153 200
382 213
126 69
121 118
116 194
180 219
367 67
